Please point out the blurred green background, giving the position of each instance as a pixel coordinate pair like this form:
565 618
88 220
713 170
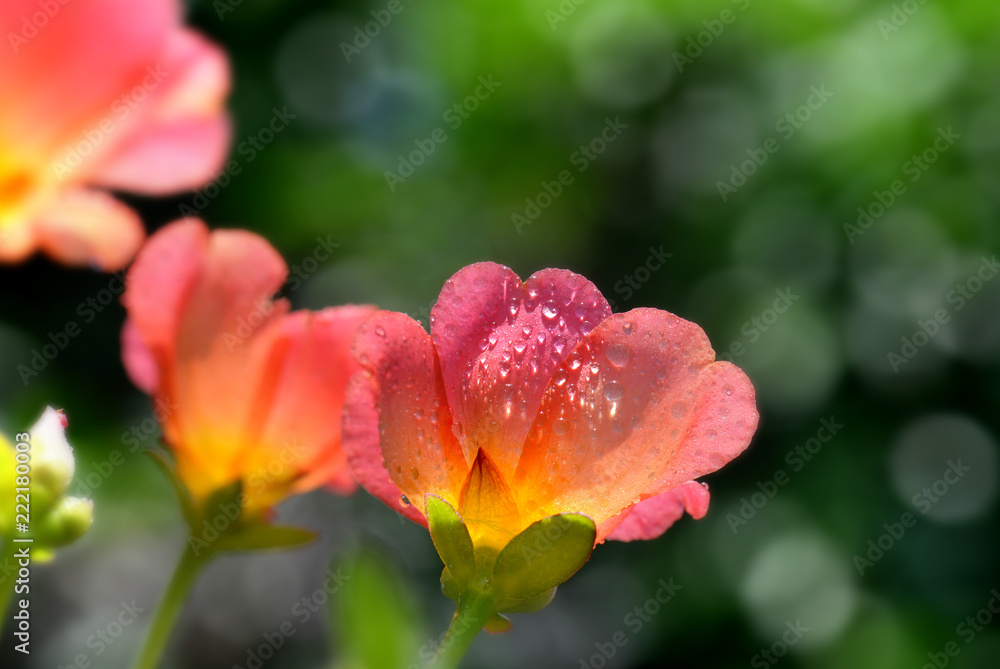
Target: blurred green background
824 179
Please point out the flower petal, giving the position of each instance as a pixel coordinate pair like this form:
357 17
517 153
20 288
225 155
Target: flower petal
184 138
66 78
85 227
397 417
201 304
654 515
638 408
300 425
500 341
138 359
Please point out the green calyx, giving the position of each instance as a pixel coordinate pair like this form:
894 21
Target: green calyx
523 576
220 523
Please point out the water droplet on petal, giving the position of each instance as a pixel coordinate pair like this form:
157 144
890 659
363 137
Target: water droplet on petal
519 346
618 354
594 367
540 337
550 309
560 426
379 330
404 501
678 410
627 327
613 391
494 338
575 363
728 389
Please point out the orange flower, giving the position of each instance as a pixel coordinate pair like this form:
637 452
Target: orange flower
531 400
245 391
100 93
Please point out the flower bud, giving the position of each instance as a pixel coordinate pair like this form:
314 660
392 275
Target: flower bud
69 521
51 463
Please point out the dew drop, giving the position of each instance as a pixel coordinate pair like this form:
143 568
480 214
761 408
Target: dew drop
574 364
678 410
494 338
728 389
618 354
594 367
613 391
519 346
627 327
560 426
415 473
526 330
379 330
558 344
404 501
550 310
540 337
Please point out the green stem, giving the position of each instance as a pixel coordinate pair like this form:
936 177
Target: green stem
190 565
470 617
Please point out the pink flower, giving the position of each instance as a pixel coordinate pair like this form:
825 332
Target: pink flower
530 400
245 391
101 94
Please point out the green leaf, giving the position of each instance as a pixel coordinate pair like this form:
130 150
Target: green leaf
257 537
183 496
543 556
376 621
451 539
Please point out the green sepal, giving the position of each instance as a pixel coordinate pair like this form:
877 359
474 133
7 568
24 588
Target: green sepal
452 541
530 605
498 624
183 495
257 537
226 501
541 557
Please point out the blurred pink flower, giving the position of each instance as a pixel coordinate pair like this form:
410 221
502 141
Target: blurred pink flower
245 390
101 94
